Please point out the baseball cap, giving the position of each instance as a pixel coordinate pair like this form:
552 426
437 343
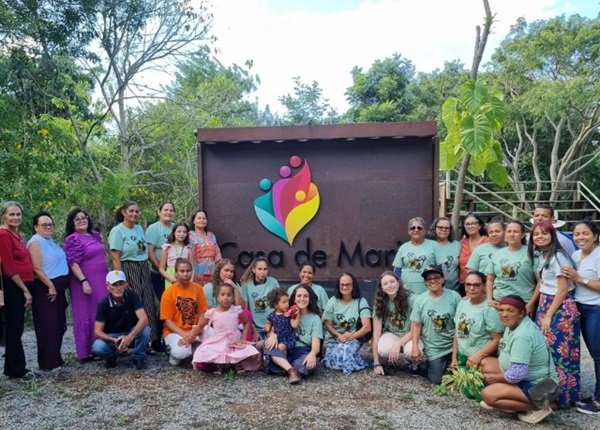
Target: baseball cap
115 276
434 268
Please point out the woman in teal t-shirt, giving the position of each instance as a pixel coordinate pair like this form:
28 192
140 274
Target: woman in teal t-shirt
129 253
510 270
478 326
523 361
391 321
341 319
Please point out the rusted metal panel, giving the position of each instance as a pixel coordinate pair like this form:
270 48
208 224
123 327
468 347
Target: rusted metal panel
368 190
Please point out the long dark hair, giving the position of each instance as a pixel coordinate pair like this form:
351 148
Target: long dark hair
463 230
171 238
119 217
313 301
70 225
554 248
355 289
249 274
380 307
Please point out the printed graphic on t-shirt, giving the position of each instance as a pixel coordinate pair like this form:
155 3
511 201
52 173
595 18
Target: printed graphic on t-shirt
346 325
260 302
415 262
440 322
397 322
464 326
188 308
509 271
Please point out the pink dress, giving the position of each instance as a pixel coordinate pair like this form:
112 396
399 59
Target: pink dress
219 347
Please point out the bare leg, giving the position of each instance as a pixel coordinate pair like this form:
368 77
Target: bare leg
281 362
507 397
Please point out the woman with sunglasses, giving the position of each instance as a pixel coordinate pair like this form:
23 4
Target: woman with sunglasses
413 256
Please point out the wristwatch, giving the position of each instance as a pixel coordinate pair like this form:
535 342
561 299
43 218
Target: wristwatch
586 282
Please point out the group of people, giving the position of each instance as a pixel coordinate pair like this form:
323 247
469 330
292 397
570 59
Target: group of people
514 308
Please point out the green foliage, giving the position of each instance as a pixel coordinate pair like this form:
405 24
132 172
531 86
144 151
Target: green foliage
465 380
307 105
473 122
381 93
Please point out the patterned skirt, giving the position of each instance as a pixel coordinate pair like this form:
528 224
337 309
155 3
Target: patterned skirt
344 356
564 342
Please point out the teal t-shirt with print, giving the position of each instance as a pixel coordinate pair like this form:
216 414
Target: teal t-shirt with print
526 345
344 316
157 235
446 255
475 325
480 258
310 326
413 259
394 322
436 316
514 273
322 296
130 242
256 297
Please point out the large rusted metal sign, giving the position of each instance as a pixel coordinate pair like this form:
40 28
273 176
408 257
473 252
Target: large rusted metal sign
339 196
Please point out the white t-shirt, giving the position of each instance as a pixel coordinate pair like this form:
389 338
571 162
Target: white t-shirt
549 274
588 268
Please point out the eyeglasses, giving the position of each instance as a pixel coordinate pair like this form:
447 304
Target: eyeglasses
471 224
474 285
433 279
442 227
415 227
50 225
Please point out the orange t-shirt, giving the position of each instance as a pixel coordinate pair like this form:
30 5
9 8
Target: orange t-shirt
465 254
182 306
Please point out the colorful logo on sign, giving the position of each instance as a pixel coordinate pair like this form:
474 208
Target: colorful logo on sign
290 203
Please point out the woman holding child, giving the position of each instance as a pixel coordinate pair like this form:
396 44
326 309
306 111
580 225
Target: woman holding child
301 359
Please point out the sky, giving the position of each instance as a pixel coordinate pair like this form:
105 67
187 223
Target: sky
323 40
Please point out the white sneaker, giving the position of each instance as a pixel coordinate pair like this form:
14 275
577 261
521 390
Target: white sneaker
485 406
534 417
173 361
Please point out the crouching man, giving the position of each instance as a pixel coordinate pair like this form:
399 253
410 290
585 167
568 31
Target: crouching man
121 323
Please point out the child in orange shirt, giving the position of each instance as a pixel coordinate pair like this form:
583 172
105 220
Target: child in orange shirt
181 307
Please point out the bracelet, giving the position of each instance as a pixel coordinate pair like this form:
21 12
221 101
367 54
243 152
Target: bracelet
83 280
377 365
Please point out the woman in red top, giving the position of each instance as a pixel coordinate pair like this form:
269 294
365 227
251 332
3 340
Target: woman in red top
17 271
473 235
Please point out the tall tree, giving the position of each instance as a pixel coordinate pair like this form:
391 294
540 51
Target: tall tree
381 93
307 105
549 72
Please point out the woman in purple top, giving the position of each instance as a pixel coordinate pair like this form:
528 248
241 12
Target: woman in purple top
86 258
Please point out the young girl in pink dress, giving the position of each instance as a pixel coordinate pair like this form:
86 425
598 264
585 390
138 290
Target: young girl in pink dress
227 347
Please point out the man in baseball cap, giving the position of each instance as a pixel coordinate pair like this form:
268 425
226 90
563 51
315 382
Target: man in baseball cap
121 323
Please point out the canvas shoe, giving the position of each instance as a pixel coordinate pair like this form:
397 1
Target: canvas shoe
485 406
589 409
534 417
173 361
110 363
140 363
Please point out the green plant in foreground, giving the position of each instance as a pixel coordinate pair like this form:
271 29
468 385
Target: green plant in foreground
230 375
466 380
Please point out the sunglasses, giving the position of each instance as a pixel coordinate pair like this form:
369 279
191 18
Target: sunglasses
416 227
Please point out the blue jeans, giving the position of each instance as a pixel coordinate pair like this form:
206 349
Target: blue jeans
590 321
437 368
108 350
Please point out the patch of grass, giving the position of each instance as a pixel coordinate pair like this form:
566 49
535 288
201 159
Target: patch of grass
122 421
230 376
